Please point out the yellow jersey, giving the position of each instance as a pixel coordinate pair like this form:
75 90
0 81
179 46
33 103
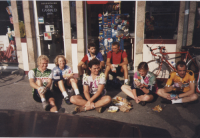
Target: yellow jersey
174 78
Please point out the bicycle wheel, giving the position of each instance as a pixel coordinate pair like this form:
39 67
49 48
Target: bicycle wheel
159 73
193 66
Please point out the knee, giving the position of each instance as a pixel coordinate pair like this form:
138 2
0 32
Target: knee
52 101
74 99
194 97
159 92
147 98
108 99
125 67
123 87
73 80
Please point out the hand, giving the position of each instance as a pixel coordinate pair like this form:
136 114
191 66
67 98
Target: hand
42 90
137 100
138 84
70 75
89 105
169 97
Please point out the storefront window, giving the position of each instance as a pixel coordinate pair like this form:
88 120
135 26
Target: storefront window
73 19
21 19
108 22
8 52
161 19
196 40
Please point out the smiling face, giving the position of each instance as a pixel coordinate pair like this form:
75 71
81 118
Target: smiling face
143 72
181 71
61 63
43 65
95 69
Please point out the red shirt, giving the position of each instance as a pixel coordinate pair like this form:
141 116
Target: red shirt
116 58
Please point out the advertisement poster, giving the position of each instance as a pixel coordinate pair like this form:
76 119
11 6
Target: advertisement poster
47 36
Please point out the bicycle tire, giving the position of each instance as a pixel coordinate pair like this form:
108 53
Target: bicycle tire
154 68
191 66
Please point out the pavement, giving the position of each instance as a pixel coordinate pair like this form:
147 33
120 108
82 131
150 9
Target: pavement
175 121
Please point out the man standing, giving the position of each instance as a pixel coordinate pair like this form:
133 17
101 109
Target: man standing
91 54
94 91
117 63
180 86
40 80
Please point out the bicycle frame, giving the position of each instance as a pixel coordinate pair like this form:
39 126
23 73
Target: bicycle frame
187 56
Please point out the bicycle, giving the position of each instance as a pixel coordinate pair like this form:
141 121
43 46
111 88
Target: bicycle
161 67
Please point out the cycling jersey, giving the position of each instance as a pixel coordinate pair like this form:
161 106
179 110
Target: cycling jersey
175 78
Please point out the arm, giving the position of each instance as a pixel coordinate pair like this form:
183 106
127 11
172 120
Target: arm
33 84
108 62
125 62
102 64
86 92
191 91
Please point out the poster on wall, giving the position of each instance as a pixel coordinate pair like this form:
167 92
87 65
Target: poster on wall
47 36
41 20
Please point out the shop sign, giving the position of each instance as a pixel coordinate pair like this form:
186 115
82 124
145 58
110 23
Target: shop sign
49 7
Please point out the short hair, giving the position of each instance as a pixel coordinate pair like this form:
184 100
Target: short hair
181 64
59 56
143 65
91 45
116 43
92 62
42 57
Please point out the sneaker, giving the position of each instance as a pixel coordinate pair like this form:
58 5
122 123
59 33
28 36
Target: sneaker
79 109
98 109
67 101
46 106
165 101
143 103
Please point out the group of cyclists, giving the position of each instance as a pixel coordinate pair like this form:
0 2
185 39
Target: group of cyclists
180 87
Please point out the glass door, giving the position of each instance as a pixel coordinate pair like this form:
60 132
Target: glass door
49 29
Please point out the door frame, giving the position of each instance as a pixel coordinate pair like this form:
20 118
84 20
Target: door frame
50 65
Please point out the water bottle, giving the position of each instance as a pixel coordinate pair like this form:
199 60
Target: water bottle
173 64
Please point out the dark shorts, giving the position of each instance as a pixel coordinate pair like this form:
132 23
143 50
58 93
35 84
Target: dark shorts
37 98
175 92
69 90
140 92
118 72
97 99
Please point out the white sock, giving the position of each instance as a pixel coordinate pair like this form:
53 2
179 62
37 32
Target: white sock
56 111
177 101
76 91
43 99
126 80
65 94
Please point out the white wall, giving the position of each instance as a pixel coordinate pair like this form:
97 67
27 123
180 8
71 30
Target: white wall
25 56
74 58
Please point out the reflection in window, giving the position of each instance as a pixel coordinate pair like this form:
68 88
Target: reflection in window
161 19
73 19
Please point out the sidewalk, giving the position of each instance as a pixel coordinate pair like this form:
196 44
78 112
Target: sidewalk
175 121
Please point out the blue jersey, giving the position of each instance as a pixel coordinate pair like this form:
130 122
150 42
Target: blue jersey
58 73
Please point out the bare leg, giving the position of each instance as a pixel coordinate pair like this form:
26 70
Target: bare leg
53 105
164 92
78 100
72 82
39 83
128 91
125 70
104 101
190 98
146 98
107 71
61 86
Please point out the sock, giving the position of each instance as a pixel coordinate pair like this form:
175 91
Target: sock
177 101
76 91
65 94
43 99
126 80
56 111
